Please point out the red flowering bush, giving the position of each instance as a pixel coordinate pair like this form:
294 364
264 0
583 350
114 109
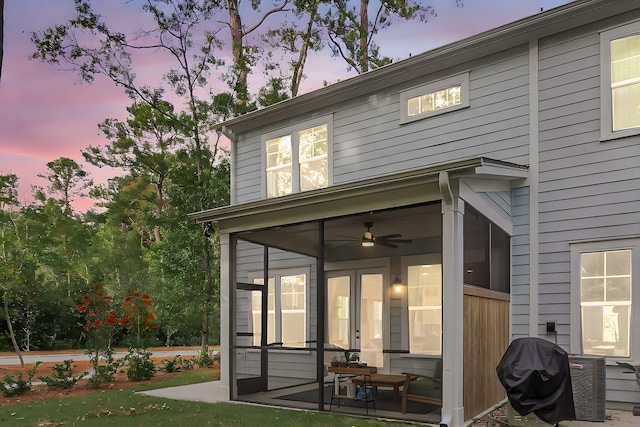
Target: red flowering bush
100 323
137 315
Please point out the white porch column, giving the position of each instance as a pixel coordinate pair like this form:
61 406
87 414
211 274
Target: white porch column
452 305
225 343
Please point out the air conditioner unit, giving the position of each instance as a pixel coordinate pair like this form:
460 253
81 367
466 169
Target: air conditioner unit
588 380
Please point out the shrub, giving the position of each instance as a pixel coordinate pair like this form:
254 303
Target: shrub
15 385
104 372
176 364
172 365
139 365
63 375
206 359
187 364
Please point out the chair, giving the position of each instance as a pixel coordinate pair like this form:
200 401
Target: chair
423 388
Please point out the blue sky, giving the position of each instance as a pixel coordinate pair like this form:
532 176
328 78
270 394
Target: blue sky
46 113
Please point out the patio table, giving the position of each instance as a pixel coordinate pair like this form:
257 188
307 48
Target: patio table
383 380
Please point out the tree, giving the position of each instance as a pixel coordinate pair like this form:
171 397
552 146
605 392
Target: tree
8 190
142 145
11 259
351 32
176 22
67 178
294 40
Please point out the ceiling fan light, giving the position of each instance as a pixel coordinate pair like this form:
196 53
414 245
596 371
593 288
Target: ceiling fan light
367 243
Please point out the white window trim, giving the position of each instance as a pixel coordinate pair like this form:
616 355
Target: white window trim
606 107
295 160
461 79
578 248
286 272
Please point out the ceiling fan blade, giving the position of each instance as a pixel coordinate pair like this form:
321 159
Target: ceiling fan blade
398 240
386 243
389 236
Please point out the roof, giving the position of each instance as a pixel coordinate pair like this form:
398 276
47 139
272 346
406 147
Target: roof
535 27
353 196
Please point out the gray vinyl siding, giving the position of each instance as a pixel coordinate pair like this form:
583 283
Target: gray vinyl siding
520 277
247 170
369 140
589 190
395 323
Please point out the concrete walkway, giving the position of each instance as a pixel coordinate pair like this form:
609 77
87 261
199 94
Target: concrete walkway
209 392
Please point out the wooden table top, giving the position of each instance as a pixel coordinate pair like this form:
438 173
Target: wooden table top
383 379
365 370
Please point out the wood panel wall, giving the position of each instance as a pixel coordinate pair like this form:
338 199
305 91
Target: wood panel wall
486 337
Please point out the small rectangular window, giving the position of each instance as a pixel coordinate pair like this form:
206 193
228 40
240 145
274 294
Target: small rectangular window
434 98
434 101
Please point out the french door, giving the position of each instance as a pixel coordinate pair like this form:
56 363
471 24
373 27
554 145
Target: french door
355 312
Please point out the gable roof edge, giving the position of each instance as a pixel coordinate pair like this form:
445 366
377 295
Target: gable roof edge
538 26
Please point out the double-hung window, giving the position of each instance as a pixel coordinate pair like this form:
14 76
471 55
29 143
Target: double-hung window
298 158
434 98
286 309
620 81
602 284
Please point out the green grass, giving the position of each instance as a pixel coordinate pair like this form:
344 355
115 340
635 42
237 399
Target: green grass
124 408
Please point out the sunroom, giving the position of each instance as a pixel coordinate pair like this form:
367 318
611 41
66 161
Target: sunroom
410 272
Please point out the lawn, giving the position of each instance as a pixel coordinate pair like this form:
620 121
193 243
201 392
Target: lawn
124 408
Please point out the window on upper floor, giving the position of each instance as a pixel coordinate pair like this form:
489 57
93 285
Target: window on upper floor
298 158
620 81
434 98
603 281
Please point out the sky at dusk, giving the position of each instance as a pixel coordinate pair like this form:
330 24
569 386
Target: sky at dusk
47 113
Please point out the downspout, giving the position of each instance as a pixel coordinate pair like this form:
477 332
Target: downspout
228 280
452 304
534 238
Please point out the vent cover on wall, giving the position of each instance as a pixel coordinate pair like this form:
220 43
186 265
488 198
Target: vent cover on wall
588 380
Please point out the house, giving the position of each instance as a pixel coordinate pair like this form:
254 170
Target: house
439 207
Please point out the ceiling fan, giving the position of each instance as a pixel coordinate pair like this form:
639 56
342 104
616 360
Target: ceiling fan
388 240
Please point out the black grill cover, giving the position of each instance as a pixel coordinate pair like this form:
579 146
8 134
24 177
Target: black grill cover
535 374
